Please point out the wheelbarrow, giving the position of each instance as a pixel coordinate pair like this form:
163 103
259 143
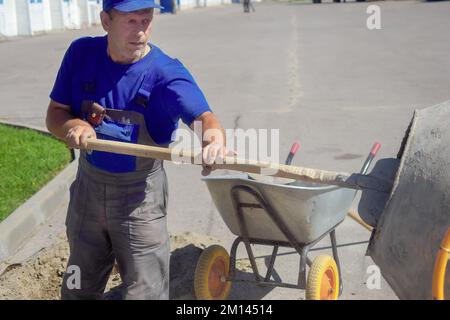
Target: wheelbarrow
281 213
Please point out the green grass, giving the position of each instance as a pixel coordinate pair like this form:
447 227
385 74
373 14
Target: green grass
28 160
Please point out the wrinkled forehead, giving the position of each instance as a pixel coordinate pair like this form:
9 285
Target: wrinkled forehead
141 12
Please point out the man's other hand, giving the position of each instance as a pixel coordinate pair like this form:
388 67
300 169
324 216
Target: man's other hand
212 153
77 136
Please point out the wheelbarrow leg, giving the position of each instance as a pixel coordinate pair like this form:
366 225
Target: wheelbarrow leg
336 258
271 263
233 251
252 259
302 270
243 225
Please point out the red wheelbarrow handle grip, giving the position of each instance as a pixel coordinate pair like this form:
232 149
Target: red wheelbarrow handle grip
375 148
294 148
370 157
292 153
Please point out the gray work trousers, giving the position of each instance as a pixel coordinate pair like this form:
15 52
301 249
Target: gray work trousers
118 217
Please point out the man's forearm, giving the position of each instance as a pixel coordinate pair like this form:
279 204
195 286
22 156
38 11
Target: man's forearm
59 121
212 131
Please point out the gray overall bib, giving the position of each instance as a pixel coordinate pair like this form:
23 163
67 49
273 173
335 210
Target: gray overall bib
118 216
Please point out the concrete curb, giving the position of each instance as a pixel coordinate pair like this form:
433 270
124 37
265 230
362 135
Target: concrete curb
24 126
21 224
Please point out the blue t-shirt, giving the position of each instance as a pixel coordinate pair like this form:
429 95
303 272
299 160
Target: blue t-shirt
174 94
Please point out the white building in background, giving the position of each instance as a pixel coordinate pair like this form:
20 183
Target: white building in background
29 17
8 21
187 4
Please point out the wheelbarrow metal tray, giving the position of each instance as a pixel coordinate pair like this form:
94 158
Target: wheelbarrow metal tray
309 210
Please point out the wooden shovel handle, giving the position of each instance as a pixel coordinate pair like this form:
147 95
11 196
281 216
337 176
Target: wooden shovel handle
230 163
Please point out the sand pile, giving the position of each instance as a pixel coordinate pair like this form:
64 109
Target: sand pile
40 277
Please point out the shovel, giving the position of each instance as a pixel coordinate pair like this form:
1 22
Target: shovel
375 186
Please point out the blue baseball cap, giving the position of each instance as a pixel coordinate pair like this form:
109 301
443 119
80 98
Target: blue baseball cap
129 5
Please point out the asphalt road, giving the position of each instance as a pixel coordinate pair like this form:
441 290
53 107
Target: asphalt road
315 72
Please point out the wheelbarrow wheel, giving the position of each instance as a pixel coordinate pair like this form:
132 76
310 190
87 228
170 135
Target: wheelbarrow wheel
323 279
210 279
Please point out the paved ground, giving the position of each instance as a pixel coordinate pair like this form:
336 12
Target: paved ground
313 71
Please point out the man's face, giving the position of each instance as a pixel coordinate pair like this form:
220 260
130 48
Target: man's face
128 33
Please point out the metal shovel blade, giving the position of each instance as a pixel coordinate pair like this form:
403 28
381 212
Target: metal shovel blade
373 202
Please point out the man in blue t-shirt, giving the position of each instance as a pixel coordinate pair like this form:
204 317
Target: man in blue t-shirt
121 87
